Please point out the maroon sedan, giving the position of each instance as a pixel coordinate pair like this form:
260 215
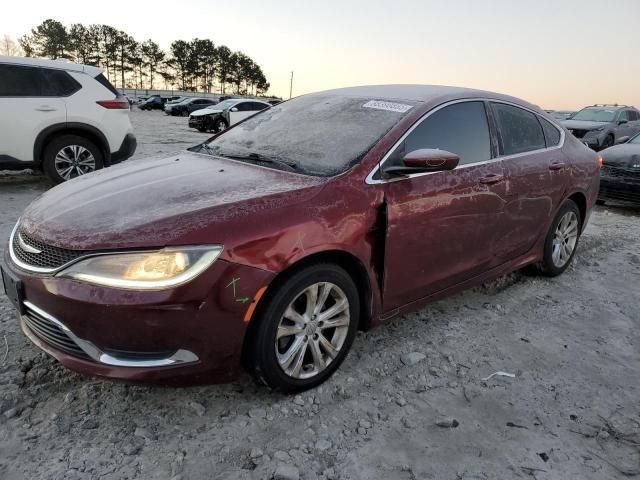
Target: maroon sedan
270 245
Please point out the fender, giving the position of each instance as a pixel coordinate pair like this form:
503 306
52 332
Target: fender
45 134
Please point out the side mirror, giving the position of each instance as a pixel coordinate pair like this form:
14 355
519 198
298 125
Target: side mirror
620 140
234 109
622 122
426 160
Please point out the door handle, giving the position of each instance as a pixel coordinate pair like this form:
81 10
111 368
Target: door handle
45 108
492 178
557 166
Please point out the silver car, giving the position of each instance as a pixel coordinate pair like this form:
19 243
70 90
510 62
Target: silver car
601 126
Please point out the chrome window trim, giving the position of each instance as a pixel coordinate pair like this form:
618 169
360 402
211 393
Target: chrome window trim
180 356
372 181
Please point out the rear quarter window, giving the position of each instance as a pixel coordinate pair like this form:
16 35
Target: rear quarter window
520 130
59 83
551 133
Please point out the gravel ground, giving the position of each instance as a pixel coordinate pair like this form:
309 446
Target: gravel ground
410 402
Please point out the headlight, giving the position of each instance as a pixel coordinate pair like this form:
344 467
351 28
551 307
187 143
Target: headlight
156 270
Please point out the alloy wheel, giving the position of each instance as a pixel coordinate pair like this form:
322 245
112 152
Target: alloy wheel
565 239
73 161
312 330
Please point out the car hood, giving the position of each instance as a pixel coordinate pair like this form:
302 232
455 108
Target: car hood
153 203
205 111
626 155
582 124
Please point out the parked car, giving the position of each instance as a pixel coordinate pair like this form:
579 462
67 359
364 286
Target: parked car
154 102
190 105
620 173
599 126
561 114
218 117
176 100
273 242
62 118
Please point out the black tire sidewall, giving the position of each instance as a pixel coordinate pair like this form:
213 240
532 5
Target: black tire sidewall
547 265
265 365
58 143
217 123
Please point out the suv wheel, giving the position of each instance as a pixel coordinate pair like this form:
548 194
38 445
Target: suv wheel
71 156
305 329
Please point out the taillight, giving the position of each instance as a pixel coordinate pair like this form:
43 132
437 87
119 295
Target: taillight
600 160
116 103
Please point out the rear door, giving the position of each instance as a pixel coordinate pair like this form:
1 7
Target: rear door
536 171
28 105
442 226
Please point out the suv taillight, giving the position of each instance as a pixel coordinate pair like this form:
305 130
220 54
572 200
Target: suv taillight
116 103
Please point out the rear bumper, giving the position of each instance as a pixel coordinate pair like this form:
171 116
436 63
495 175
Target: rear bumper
126 150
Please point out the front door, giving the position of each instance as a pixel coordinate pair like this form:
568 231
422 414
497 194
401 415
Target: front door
442 227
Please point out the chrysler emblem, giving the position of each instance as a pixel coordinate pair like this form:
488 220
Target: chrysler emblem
27 248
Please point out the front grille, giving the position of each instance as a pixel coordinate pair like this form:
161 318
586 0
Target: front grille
579 133
619 194
52 334
609 171
50 257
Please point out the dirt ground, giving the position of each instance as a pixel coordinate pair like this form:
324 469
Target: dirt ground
410 402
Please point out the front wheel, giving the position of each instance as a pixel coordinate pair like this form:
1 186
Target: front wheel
562 240
219 125
305 329
71 156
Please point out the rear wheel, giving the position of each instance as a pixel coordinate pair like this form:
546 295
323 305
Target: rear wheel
305 329
70 156
562 240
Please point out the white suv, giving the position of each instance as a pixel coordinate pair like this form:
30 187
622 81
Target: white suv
62 118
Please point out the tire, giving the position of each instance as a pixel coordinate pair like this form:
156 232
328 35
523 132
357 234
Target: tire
71 151
220 125
556 259
608 142
267 355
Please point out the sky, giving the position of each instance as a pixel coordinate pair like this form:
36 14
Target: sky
558 54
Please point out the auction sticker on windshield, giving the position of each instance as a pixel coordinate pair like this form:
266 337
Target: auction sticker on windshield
390 106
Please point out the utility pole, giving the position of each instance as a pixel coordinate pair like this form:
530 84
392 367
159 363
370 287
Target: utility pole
291 86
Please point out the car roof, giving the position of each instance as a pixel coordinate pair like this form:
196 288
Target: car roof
421 93
60 64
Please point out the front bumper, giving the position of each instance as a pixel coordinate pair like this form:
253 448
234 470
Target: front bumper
197 121
188 335
620 189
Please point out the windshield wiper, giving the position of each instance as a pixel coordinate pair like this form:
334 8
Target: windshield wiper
256 157
207 149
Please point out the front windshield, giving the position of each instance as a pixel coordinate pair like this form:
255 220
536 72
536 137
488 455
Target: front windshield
595 115
319 134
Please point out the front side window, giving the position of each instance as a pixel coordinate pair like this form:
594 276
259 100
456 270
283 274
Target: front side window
460 128
520 130
20 81
624 115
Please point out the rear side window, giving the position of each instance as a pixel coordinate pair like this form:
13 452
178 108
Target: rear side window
520 130
551 133
59 83
102 80
256 107
20 81
460 128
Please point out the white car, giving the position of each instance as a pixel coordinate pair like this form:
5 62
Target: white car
62 118
224 114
